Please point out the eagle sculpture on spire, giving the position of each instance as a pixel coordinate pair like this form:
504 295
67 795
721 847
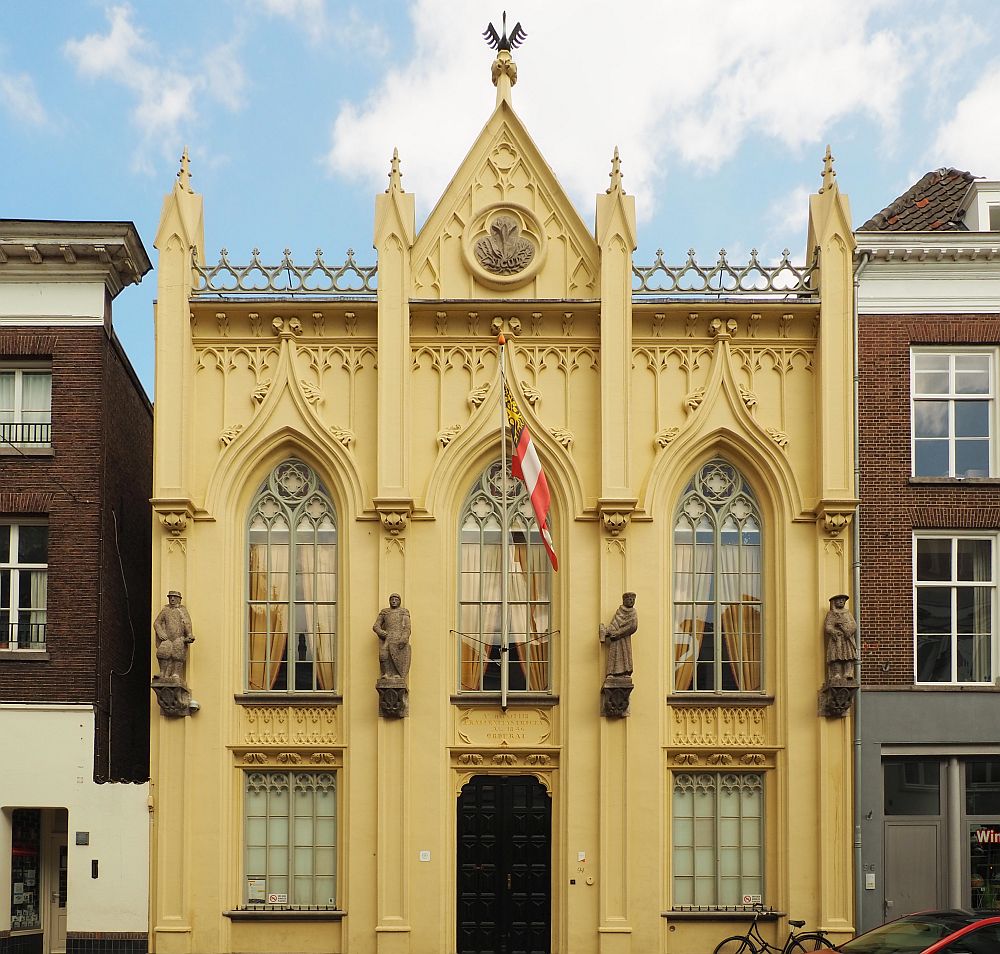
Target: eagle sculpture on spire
501 42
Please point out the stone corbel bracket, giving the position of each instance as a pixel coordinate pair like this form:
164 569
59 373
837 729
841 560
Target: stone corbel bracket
174 514
616 514
836 516
394 513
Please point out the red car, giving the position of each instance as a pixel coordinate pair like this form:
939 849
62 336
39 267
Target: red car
931 932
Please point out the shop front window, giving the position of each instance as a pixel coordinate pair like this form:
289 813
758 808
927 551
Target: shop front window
25 874
982 808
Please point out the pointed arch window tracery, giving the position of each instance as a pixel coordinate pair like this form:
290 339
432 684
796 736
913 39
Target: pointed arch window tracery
291 583
717 592
529 589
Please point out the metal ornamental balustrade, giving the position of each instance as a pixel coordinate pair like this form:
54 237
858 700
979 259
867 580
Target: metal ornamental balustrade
660 280
24 435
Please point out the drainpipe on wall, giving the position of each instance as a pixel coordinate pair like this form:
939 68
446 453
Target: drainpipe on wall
859 875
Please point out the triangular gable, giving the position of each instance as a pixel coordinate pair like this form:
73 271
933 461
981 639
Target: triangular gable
504 185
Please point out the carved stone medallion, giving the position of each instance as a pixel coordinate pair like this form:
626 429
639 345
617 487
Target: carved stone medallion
503 250
504 245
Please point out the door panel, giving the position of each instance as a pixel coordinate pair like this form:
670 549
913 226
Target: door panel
912 867
504 866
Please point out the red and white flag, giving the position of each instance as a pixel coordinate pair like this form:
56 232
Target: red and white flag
525 465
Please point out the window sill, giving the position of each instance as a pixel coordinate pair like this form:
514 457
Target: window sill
718 698
284 914
288 698
514 700
720 914
953 687
25 655
956 481
23 450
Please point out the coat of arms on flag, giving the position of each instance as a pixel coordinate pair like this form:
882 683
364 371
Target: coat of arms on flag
526 466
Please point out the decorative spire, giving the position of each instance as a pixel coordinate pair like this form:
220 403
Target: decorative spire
616 174
504 70
828 173
395 176
184 175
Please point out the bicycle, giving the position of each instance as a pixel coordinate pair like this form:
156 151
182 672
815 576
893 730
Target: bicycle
753 942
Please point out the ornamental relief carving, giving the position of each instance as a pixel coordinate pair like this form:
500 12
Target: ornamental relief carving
289 725
719 726
504 245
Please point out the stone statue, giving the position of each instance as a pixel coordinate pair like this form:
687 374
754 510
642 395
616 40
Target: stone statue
840 630
392 627
618 667
840 634
618 636
172 629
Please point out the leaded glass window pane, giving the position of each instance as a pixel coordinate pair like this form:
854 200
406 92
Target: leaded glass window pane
290 838
482 665
291 583
717 838
717 583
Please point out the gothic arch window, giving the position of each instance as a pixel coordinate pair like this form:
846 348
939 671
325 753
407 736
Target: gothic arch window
291 583
717 583
483 666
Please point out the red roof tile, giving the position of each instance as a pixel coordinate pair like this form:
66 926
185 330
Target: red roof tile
932 204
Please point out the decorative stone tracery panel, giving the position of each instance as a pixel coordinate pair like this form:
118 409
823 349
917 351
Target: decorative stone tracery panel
720 726
288 725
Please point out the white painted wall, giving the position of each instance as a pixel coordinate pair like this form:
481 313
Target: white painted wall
47 752
52 303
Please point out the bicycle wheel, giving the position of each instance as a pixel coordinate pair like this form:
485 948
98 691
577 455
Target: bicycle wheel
809 942
735 945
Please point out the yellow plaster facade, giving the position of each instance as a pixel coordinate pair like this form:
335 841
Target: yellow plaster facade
392 400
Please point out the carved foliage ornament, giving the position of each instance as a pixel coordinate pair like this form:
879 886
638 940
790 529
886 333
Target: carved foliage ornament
504 245
503 250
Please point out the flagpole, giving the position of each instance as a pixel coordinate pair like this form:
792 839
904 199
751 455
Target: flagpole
504 636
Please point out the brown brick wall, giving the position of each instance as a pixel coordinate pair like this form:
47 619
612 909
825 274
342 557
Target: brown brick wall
125 574
100 466
892 506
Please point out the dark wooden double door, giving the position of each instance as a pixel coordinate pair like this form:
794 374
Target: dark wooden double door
504 866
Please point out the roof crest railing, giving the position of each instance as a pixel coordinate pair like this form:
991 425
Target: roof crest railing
724 280
285 278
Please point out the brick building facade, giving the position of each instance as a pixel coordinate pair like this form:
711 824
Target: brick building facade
928 339
75 453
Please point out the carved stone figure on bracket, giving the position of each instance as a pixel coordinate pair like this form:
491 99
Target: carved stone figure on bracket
840 635
617 635
173 632
392 627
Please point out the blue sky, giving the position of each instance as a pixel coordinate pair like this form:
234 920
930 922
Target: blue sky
291 110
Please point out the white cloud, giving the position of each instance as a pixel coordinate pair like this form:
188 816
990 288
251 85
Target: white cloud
166 97
680 87
353 30
789 215
20 98
970 138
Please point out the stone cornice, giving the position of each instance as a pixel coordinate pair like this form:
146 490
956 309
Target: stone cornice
923 248
109 252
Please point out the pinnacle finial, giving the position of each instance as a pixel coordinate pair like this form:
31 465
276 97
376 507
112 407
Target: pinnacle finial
616 174
184 175
395 176
504 70
828 171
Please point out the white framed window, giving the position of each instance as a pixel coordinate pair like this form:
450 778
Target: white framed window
291 583
954 608
482 664
290 839
24 559
25 405
717 838
953 412
717 583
